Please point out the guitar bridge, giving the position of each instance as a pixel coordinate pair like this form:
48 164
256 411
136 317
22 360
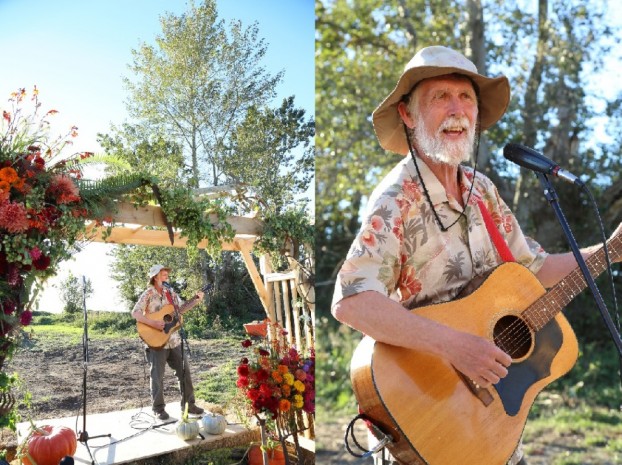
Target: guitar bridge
481 393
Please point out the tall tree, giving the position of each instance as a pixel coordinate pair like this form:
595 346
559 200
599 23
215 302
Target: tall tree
197 82
264 154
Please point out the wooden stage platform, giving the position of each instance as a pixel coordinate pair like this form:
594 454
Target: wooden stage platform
135 436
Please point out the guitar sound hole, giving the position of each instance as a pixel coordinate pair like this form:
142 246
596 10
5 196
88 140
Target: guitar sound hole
168 318
512 335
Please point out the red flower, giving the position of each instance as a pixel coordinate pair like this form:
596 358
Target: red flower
13 217
263 352
63 190
8 307
25 318
42 262
242 382
247 343
261 375
243 370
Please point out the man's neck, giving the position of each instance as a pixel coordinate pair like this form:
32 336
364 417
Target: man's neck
446 174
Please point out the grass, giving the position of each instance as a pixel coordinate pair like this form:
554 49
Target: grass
219 385
581 434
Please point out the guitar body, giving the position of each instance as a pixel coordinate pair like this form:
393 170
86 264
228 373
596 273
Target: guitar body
435 415
155 338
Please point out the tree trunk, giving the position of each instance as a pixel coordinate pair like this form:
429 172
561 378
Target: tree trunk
521 204
476 52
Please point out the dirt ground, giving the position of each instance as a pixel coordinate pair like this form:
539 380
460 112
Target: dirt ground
117 375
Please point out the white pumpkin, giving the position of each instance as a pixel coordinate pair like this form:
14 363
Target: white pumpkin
214 423
187 429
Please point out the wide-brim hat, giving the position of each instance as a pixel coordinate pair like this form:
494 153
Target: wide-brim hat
155 269
429 62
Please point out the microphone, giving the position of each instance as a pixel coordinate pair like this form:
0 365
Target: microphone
166 285
535 161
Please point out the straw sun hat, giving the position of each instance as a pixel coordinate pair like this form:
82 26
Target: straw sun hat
494 93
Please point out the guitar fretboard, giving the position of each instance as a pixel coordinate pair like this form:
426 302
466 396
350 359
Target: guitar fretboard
546 307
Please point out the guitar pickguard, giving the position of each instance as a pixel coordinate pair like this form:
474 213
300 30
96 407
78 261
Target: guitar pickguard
524 374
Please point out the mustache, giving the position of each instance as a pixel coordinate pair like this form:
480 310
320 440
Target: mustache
454 122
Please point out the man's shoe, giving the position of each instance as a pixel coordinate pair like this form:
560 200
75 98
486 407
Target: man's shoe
161 415
195 410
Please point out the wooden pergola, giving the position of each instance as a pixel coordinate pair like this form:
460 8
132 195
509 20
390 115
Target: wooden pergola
278 292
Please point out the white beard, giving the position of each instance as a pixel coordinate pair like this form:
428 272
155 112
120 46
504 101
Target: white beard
448 152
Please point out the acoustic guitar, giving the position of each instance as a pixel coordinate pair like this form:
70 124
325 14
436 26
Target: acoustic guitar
437 416
173 319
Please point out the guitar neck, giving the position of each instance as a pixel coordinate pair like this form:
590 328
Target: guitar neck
546 307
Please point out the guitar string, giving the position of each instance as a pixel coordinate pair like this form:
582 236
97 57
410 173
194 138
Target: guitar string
514 336
576 284
519 332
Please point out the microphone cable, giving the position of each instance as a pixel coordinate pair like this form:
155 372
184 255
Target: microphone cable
616 312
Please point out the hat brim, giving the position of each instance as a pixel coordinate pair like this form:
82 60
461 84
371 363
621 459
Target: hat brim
494 98
161 269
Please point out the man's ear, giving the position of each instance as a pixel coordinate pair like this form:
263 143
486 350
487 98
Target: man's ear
405 114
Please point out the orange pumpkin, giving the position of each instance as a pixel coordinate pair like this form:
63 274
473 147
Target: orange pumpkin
47 445
275 456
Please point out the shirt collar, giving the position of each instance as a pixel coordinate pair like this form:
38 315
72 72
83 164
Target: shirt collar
437 192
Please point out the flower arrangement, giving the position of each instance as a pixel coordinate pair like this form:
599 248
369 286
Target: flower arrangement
41 210
278 383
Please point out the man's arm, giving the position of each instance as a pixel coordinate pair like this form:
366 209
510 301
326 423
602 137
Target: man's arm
138 312
387 321
557 266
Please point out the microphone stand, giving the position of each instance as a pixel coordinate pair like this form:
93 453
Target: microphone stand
83 437
551 196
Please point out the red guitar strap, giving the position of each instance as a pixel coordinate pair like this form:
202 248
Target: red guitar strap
169 297
497 239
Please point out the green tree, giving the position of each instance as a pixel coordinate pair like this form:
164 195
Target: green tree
197 83
73 292
263 154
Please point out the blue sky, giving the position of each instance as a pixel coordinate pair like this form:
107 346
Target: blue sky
76 53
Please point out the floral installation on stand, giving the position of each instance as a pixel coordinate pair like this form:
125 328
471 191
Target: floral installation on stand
278 384
41 216
44 205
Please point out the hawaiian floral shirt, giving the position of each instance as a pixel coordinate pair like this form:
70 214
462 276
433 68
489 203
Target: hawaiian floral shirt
150 301
401 251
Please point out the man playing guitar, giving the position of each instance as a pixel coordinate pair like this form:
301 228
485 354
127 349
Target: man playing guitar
151 301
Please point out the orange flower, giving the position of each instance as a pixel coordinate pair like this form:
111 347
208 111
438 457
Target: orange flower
286 389
284 405
283 369
276 376
8 174
4 186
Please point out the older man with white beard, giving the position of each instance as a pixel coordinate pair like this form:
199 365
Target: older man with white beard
423 238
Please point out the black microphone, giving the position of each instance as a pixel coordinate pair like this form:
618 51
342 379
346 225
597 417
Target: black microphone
167 285
535 161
